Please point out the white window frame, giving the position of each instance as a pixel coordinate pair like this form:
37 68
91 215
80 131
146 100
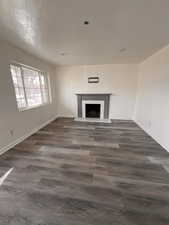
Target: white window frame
24 89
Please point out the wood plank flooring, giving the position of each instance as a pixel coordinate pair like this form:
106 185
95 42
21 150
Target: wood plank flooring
76 173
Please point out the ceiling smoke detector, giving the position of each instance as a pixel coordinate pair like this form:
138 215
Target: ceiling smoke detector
122 49
63 53
86 22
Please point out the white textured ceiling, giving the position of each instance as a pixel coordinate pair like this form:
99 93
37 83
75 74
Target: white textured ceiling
54 30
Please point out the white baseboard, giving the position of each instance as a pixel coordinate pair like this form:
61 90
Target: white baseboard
92 120
19 140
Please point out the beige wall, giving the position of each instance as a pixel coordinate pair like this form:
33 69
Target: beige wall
10 118
152 107
120 80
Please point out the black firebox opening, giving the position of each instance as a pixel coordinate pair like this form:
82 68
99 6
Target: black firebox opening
93 110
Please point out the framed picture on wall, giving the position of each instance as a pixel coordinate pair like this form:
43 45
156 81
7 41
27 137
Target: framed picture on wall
93 79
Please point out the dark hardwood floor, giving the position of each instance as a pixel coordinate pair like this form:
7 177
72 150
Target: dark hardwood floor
76 173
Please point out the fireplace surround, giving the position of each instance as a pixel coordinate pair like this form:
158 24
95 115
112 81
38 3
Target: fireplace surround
102 100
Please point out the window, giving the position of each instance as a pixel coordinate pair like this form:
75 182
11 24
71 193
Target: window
31 86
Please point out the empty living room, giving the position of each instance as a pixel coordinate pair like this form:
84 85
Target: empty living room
84 112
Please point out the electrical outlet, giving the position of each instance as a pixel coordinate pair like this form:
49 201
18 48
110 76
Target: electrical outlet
11 132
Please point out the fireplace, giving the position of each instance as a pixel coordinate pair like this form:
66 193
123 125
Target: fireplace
93 106
92 110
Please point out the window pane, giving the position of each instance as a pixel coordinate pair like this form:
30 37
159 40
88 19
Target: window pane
45 95
18 85
32 87
21 103
44 81
44 87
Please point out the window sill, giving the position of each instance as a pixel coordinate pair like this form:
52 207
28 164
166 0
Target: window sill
33 107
